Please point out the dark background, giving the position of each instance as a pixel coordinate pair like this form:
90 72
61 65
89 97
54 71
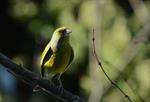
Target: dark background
27 25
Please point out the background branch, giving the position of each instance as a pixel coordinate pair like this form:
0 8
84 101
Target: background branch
100 65
96 85
34 79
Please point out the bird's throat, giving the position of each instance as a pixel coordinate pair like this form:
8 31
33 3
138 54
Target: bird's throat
59 43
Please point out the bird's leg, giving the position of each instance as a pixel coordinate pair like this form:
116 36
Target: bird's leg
56 80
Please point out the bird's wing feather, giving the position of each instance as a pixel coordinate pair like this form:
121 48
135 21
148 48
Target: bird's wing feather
45 57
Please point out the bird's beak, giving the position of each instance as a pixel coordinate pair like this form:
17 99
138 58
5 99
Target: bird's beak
67 32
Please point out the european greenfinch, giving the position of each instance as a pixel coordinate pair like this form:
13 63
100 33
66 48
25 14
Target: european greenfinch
57 55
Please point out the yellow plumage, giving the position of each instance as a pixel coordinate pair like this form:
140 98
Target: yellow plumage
57 55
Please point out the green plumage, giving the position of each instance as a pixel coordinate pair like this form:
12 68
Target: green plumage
57 55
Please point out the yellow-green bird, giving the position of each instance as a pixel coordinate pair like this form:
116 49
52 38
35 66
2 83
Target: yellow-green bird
57 55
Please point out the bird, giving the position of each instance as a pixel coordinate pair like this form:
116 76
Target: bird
57 55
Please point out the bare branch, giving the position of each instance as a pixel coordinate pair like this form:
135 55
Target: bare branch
34 79
100 65
122 76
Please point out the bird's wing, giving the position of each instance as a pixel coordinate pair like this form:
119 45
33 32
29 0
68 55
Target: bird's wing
45 57
71 57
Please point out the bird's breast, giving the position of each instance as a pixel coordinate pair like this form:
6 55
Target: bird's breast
60 59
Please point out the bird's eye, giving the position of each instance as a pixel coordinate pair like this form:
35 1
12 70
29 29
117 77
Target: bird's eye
61 31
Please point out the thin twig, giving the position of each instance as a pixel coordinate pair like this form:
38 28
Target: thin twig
112 82
33 79
123 77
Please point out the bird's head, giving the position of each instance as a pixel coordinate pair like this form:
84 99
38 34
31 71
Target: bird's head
60 36
62 32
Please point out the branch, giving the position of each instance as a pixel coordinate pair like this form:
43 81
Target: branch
100 65
34 79
125 79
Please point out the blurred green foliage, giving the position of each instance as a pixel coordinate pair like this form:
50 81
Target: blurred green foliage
30 23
